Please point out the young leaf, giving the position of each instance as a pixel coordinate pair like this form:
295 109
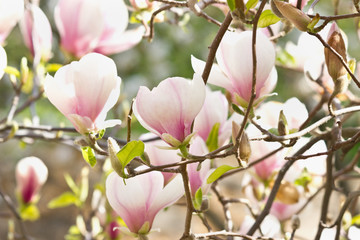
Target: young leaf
71 183
231 4
198 199
237 109
89 155
29 212
267 18
313 22
212 140
130 151
64 200
251 4
218 173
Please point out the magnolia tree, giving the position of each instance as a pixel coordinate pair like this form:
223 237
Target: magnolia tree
220 154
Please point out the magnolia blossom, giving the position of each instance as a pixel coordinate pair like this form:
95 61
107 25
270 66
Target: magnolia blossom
160 156
234 72
31 174
283 211
3 61
215 110
169 109
11 12
37 33
84 91
139 199
303 3
270 227
197 178
95 25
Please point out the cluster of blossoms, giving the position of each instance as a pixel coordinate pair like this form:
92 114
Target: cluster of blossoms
186 120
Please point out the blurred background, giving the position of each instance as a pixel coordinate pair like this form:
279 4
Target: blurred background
146 64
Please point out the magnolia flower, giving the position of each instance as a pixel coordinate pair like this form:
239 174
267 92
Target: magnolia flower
139 199
11 12
270 227
283 211
197 178
3 61
95 25
303 3
169 109
215 110
84 91
37 33
31 174
160 156
234 72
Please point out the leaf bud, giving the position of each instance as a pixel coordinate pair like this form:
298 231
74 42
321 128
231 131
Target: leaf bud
295 222
113 149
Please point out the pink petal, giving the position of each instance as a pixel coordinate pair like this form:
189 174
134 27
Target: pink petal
120 41
176 100
235 59
80 24
216 77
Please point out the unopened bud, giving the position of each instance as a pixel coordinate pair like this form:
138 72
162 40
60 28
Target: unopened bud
294 15
245 148
295 222
113 149
283 127
204 204
235 131
288 193
335 40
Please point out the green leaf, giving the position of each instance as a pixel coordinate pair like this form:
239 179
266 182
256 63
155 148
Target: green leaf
304 179
251 4
218 173
129 152
267 18
53 67
212 140
313 22
100 134
231 4
12 71
285 58
237 109
72 185
89 155
355 220
64 200
29 212
198 199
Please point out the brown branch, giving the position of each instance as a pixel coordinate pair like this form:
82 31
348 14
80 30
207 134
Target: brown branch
325 44
214 46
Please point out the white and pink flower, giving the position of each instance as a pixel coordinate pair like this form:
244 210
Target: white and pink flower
234 69
84 91
140 199
11 12
37 33
31 174
169 109
95 26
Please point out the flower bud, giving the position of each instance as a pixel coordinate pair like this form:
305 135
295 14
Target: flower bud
288 193
283 127
295 222
335 39
294 15
31 174
245 149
